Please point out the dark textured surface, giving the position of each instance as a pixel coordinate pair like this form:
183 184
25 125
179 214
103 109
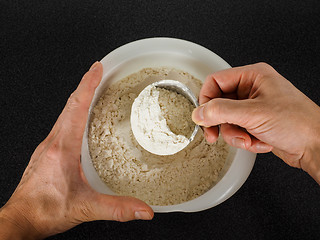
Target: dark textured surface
46 46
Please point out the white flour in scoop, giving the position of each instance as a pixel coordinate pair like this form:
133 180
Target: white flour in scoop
149 125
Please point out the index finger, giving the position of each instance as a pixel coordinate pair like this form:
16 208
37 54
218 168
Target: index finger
74 116
76 110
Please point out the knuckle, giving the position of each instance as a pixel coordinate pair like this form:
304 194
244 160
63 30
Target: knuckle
42 146
265 66
211 110
119 215
73 102
77 101
85 211
209 77
53 150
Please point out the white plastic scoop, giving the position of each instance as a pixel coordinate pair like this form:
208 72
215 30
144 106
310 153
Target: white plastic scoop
149 126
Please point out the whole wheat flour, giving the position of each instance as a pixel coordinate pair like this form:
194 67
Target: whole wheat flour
128 169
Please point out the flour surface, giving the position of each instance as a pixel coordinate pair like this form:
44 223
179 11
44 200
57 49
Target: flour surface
127 168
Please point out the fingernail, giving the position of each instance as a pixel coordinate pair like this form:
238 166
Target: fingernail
94 66
197 115
263 147
238 143
142 215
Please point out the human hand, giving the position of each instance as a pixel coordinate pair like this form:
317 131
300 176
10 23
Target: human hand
260 111
53 195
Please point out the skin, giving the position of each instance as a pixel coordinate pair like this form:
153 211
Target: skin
259 110
53 195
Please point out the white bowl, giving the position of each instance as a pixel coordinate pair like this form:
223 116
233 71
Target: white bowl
194 59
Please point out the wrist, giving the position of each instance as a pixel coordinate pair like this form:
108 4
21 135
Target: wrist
311 159
15 225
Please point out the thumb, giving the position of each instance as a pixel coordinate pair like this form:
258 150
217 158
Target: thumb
120 208
220 110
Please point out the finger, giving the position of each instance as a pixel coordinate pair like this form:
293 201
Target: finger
73 118
218 111
240 80
79 102
235 136
74 114
230 95
121 209
211 134
209 90
258 146
240 138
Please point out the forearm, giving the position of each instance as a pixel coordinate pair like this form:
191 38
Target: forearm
13 225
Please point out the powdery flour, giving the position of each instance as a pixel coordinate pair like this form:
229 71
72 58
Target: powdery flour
149 120
128 169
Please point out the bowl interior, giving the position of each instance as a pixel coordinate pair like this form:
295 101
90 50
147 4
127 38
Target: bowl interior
194 59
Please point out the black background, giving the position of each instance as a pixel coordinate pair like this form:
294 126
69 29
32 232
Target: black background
46 47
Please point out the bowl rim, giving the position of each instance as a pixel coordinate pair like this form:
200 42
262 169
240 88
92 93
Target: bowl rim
243 160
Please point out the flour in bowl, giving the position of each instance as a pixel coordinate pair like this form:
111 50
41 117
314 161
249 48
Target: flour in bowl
128 169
